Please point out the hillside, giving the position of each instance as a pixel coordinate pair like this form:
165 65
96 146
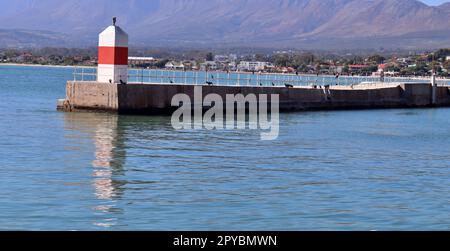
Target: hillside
238 22
31 38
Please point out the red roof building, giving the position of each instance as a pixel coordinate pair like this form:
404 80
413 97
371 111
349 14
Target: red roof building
357 66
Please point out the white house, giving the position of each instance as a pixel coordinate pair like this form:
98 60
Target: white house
209 65
174 66
141 60
221 58
253 65
170 65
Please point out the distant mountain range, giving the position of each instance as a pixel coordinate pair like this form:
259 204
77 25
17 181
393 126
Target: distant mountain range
31 38
269 23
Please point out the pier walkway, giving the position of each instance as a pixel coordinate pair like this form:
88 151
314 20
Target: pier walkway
219 78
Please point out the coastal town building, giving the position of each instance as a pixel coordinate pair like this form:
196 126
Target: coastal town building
290 62
254 66
225 58
141 60
190 65
357 67
209 66
172 65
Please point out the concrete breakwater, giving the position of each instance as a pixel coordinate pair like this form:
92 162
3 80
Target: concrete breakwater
150 98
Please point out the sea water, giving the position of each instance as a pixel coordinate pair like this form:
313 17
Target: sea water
337 170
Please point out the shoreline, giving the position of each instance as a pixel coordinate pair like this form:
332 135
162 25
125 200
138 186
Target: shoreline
267 73
48 66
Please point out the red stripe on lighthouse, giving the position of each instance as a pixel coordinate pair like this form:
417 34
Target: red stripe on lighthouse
113 55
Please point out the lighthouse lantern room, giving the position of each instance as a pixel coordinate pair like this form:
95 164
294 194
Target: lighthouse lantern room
113 55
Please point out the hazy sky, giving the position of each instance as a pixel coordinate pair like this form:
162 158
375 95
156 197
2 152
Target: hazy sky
435 2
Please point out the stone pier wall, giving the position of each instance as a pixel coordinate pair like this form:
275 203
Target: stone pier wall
92 96
156 98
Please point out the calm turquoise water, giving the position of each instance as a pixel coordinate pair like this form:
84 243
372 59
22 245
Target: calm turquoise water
353 170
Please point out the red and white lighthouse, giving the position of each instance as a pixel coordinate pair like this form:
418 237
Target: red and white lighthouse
113 55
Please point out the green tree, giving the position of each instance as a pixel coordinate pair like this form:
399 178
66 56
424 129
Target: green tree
447 65
303 68
393 68
298 60
261 57
357 60
376 59
420 69
346 69
318 67
209 56
281 60
161 63
435 66
370 69
69 61
441 54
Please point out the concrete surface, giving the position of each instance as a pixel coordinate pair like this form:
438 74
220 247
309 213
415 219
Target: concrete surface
156 98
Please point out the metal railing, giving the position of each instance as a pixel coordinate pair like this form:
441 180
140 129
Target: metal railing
245 78
84 74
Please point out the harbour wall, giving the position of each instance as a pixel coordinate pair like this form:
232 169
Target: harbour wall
156 98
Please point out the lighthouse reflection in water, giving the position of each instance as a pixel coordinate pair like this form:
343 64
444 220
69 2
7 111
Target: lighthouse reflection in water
107 163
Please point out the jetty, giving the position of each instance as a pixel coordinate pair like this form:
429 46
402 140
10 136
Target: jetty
112 88
148 98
